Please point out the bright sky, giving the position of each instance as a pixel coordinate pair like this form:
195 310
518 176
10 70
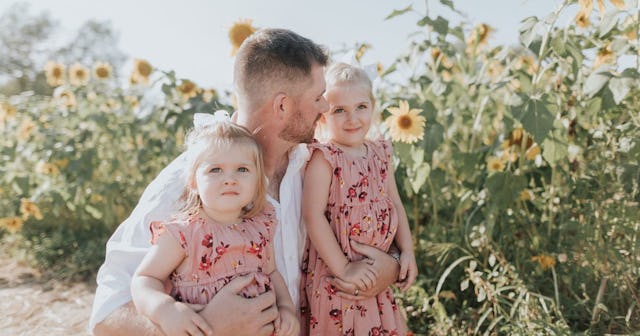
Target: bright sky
190 36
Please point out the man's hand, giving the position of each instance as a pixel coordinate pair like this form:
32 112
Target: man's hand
384 265
176 318
228 313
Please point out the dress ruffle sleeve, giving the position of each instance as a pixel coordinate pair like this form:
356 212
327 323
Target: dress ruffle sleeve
176 231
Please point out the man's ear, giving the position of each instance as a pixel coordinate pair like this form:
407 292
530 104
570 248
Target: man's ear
281 104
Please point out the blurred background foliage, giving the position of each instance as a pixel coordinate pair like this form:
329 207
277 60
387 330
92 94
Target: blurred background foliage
523 193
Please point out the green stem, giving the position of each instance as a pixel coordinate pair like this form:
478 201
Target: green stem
545 40
416 219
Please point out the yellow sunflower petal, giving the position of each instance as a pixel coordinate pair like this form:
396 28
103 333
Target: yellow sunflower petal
239 32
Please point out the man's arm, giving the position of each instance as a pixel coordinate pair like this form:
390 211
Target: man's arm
386 266
126 321
227 313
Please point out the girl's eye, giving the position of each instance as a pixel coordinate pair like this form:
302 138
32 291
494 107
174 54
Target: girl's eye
215 170
243 169
362 107
338 110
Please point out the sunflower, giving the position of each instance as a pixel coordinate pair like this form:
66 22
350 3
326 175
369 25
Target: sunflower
405 124
28 208
187 89
209 94
11 224
66 99
102 70
494 164
362 50
526 195
25 129
379 68
605 56
110 105
63 163
46 168
142 69
55 73
545 261
7 111
239 32
532 152
78 74
479 36
586 7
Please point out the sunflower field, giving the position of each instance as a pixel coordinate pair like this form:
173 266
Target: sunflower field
519 167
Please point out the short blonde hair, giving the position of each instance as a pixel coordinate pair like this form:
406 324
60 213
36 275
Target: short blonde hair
219 136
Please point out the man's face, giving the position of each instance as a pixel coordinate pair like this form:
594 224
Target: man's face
309 105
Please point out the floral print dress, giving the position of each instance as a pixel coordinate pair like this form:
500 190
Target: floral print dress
217 254
358 208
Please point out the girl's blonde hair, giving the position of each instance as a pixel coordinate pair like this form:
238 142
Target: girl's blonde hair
220 136
339 73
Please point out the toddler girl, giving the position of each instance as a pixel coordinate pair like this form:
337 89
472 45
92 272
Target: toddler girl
224 230
349 193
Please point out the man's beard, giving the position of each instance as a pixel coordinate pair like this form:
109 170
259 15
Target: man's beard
295 132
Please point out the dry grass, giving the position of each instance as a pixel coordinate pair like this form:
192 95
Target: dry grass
33 305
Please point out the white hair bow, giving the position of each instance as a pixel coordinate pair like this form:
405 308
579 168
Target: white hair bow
206 119
370 69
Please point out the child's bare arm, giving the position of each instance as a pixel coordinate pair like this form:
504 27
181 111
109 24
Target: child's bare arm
404 240
287 322
315 192
148 291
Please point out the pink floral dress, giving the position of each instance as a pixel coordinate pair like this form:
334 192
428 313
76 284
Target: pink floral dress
217 253
358 208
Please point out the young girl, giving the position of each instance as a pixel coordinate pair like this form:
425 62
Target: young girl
224 229
349 193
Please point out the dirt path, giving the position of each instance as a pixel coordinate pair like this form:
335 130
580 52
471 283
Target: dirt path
31 305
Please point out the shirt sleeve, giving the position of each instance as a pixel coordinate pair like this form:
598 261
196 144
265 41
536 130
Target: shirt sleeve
129 243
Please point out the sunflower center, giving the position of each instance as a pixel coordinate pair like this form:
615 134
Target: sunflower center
102 72
405 122
144 69
57 72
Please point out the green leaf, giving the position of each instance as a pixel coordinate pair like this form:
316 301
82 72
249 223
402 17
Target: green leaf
607 23
420 177
95 213
535 116
558 45
529 30
596 81
620 87
448 3
554 150
399 12
504 187
441 25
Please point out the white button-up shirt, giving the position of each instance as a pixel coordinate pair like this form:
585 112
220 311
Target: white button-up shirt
129 243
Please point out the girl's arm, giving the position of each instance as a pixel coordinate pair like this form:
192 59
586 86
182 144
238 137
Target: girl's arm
408 266
148 290
287 322
315 193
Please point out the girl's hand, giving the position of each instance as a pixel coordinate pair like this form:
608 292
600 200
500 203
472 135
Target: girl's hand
176 318
287 323
361 273
408 270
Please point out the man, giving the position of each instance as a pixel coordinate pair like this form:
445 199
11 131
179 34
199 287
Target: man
279 83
